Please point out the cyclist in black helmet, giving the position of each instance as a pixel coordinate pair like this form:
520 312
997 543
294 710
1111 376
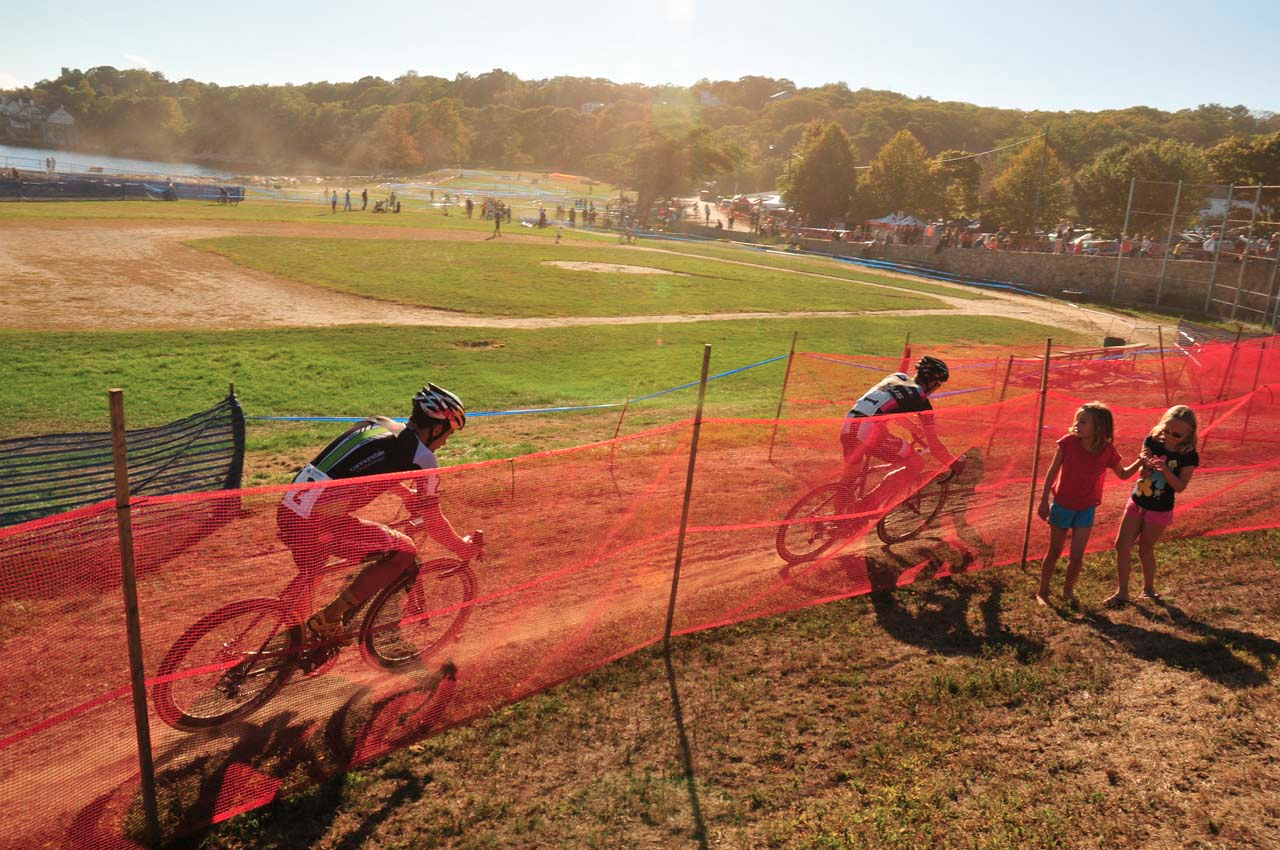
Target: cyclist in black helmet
862 433
318 522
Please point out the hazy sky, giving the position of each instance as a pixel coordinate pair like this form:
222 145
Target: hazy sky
1082 54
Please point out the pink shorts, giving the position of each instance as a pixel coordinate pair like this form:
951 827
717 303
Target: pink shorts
1158 519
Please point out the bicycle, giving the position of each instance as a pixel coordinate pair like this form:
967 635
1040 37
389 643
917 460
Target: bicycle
236 658
814 524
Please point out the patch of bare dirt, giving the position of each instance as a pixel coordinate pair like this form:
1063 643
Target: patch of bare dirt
609 268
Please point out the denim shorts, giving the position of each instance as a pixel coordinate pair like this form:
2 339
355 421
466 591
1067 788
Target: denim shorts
1060 517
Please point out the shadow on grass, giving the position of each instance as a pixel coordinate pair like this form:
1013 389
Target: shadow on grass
292 761
937 617
1211 651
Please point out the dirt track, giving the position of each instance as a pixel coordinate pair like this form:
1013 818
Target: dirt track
83 275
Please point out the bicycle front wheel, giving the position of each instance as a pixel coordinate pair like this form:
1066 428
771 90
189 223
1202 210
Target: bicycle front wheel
417 614
909 518
226 665
808 529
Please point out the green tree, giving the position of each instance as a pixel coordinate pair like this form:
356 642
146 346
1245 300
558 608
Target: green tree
441 135
958 176
901 179
392 143
1251 161
1031 191
1242 160
822 181
1102 187
668 166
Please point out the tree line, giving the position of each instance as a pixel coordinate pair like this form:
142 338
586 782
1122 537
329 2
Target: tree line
1026 187
751 134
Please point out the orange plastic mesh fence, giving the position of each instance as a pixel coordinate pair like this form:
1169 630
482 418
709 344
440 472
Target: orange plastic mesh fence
578 563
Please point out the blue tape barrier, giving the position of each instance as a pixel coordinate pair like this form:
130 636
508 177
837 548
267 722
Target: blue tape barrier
712 377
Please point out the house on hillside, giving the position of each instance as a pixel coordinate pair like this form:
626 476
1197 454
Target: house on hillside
60 128
21 120
592 106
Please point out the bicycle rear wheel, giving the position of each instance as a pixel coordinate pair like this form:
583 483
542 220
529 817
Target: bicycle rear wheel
418 613
226 665
808 530
910 517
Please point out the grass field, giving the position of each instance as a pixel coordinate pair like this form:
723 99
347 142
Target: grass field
492 278
302 213
55 382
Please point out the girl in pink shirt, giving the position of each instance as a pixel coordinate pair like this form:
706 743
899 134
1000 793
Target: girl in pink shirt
1084 455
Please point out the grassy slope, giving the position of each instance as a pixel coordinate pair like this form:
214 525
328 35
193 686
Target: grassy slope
948 714
496 278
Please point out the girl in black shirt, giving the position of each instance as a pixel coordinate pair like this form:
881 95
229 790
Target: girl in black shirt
1167 461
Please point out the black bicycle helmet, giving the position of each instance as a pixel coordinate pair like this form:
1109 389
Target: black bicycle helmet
932 370
437 405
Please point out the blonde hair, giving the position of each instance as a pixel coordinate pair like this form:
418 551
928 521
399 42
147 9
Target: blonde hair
1185 415
1104 426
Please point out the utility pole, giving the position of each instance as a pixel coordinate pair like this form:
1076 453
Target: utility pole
1044 160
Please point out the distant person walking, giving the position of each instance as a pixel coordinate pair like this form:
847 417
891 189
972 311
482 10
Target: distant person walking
333 206
346 206
497 223
364 199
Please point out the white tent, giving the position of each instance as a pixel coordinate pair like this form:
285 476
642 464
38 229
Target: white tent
897 220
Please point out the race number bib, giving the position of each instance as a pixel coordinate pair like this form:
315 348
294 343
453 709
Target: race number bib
301 501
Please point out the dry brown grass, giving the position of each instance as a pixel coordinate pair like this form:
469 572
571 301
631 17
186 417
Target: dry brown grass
951 713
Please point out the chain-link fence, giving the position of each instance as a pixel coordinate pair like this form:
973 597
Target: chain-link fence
1204 248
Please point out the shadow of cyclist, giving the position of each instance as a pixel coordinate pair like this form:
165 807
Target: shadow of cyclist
936 614
244 765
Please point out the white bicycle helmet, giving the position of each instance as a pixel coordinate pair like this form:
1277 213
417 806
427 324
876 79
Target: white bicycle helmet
437 405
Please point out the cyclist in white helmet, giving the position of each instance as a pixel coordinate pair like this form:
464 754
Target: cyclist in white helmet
318 522
864 432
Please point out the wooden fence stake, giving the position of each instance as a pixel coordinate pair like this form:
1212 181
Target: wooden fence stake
782 397
142 727
1164 375
1035 459
686 751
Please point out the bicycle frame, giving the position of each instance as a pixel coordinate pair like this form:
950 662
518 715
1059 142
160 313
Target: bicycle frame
871 464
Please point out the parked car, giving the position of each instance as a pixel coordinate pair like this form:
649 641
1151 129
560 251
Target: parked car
1099 247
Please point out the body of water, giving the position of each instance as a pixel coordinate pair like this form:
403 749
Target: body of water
74 162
